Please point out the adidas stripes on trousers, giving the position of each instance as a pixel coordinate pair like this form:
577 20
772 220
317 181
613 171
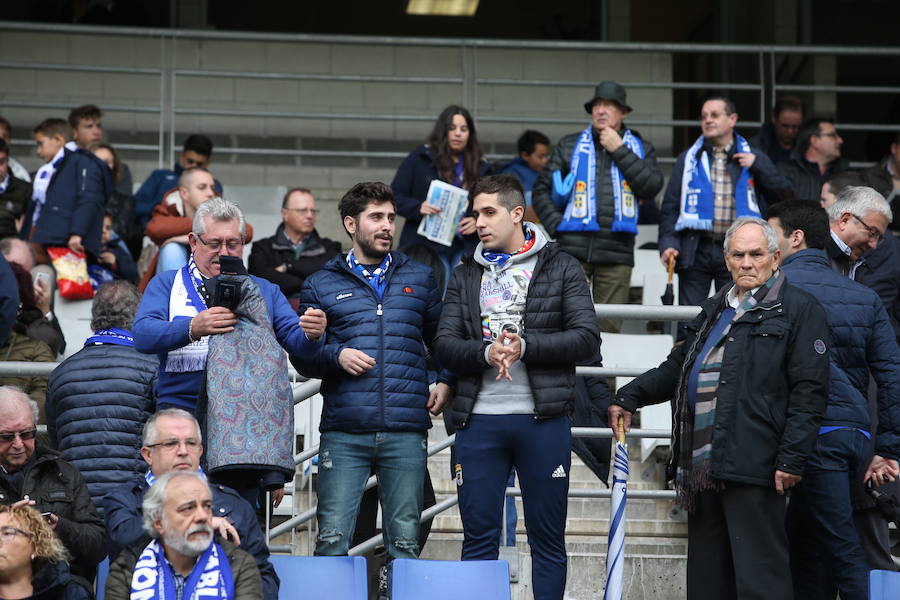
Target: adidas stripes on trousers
541 452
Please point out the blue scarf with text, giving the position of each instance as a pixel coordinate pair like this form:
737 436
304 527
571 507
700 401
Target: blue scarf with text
210 579
113 335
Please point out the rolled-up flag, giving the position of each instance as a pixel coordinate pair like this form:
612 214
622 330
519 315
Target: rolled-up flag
615 548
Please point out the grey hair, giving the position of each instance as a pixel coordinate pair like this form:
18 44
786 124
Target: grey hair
768 231
11 392
218 209
154 503
149 434
859 200
115 305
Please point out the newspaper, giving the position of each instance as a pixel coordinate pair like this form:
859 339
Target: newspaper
452 201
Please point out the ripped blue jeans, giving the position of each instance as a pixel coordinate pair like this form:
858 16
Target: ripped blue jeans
345 462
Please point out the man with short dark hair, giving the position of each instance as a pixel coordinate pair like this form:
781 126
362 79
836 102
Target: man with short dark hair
816 157
820 515
517 317
183 560
382 311
35 475
295 251
591 193
718 179
836 184
172 442
99 398
778 137
14 196
196 152
15 166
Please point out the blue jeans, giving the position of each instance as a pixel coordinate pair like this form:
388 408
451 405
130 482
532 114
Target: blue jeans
820 524
345 462
541 452
172 256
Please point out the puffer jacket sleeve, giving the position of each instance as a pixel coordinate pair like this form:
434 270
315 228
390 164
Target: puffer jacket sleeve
580 336
456 350
884 364
322 360
643 175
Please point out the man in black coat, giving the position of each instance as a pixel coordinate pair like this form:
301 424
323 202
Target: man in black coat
14 195
517 317
625 180
295 251
34 475
816 157
749 386
172 442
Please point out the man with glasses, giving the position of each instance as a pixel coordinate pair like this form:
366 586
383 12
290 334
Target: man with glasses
816 158
295 251
34 475
176 318
172 442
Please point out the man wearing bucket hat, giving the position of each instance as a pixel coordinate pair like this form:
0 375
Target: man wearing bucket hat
592 191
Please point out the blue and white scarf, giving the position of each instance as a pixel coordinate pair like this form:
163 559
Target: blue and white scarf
150 478
501 258
697 196
578 192
186 302
113 335
42 182
210 579
376 278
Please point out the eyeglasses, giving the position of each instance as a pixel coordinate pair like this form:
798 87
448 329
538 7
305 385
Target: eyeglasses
831 134
8 438
8 533
304 211
216 245
874 234
172 445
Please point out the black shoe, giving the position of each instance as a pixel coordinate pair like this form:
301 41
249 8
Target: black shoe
382 584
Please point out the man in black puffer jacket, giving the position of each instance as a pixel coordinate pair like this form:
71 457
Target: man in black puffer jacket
517 317
625 182
99 398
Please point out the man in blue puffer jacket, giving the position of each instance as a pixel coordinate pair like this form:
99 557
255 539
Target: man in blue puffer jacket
820 514
382 310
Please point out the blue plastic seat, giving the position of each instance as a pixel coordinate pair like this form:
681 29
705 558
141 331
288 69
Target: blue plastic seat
884 585
102 574
321 577
449 580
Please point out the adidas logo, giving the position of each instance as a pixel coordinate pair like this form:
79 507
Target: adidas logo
559 472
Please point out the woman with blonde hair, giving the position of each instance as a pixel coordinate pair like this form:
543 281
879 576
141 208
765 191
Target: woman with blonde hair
33 560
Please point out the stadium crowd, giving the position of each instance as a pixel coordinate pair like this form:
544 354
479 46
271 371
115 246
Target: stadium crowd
166 430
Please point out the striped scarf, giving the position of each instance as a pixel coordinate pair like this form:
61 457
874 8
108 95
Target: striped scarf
694 473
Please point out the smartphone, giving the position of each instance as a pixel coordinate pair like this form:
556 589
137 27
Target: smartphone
41 280
46 516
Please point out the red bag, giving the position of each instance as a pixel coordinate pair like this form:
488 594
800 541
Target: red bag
71 273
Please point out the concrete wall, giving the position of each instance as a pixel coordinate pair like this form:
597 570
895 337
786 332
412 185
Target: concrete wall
527 106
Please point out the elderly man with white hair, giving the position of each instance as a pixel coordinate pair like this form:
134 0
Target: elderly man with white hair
183 560
749 387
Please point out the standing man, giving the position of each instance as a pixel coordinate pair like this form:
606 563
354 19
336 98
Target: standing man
779 137
713 182
592 191
749 386
295 251
518 316
820 515
816 157
172 443
382 311
87 129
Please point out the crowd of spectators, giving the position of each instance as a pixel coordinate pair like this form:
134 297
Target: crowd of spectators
175 419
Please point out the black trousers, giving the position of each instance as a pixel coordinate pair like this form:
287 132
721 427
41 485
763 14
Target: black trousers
737 545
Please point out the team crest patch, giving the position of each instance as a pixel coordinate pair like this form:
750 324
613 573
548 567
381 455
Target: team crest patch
819 346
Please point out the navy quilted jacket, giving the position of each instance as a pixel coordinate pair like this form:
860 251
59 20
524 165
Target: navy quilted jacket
97 402
392 395
862 340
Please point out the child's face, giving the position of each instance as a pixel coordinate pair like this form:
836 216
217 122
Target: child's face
47 147
107 230
89 131
538 159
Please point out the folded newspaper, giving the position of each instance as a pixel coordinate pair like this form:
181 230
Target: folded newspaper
452 201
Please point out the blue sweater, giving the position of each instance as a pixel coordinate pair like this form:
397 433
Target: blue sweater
155 334
862 341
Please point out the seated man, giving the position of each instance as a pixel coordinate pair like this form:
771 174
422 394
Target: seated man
172 442
295 251
34 475
182 561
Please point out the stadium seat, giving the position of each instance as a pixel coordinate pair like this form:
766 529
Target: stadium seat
102 574
884 585
321 577
449 580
